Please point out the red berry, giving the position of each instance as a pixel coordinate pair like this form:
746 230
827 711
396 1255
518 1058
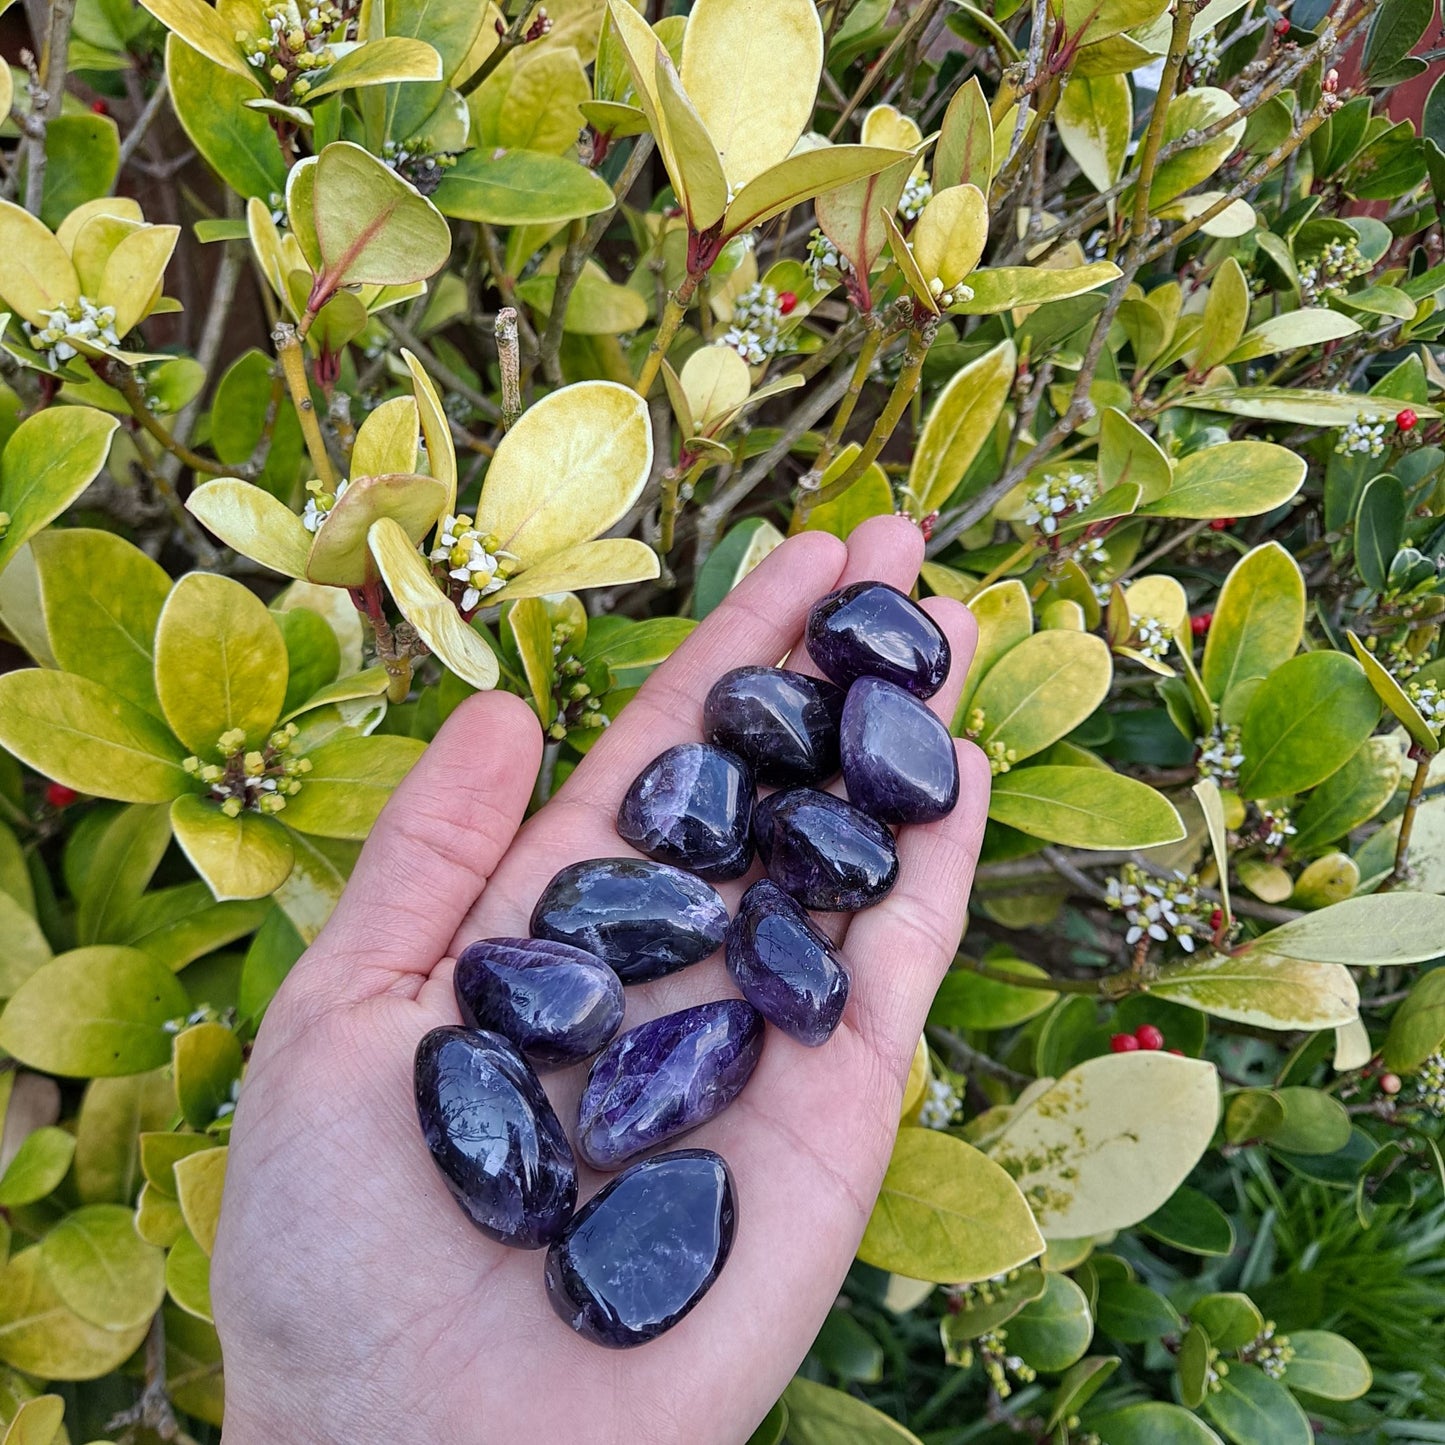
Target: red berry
1389 1083
1149 1036
1406 419
1123 1043
787 301
1222 524
100 107
59 796
1200 625
1281 26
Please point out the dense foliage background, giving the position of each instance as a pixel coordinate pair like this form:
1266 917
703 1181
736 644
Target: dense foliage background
363 354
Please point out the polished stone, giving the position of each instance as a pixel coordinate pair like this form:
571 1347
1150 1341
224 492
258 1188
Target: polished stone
644 1249
785 724
557 1003
784 966
872 630
645 919
825 852
898 758
692 806
494 1136
665 1077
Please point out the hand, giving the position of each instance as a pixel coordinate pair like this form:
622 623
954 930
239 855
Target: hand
354 1301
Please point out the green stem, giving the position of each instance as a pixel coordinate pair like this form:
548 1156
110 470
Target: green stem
293 368
1023 980
672 313
1407 823
1154 136
673 483
122 378
859 379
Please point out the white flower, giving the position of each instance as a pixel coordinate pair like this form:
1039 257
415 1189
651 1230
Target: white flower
320 503
477 561
1220 756
81 321
825 263
1365 435
1203 55
1056 496
1152 637
754 333
916 195
1161 908
940 1106
1429 703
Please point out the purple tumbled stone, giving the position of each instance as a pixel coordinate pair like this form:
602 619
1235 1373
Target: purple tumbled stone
644 1249
898 758
665 1077
828 854
784 966
494 1136
557 1003
644 919
692 806
872 630
784 724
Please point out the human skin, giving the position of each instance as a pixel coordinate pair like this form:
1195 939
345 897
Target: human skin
355 1303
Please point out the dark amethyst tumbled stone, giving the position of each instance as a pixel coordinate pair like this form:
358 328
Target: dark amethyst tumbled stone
828 854
665 1077
692 806
872 630
494 1136
644 1249
784 966
785 724
645 919
898 758
557 1003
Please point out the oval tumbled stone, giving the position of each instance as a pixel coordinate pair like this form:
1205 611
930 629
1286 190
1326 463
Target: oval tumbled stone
784 724
644 1249
644 919
784 966
692 806
898 758
665 1077
872 630
557 1003
828 854
494 1136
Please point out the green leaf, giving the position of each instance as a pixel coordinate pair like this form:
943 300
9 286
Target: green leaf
960 422
1296 404
1095 117
124 858
1153 1423
1382 930
320 872
531 629
1079 1385
113 1113
1042 688
968 1000
1106 1144
1052 1332
49 460
40 1163
1250 1408
83 156
243 857
1005 616
1395 32
177 925
1417 1028
26 947
93 1012
1193 1222
1084 807
774 1427
801 177
1258 619
36 1422
1327 1365
391 58
947 1213
520 188
870 496
1196 109
1134 1314
1128 455
349 783
89 738
273 951
1349 797
1304 722
220 663
313 658
1001 288
1395 698
597 306
978 1315
1314 1122
1311 326
818 1415
200 1178
1235 479
1226 314
207 1066
102 1269
1263 988
450 27
188 1277
238 143
1379 529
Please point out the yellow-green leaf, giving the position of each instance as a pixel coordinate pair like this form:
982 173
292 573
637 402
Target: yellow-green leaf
1235 479
378 62
1310 326
949 235
962 418
386 440
199 1180
435 431
818 1415
349 783
608 562
244 857
1226 314
37 1421
203 28
1258 620
1084 807
1395 698
40 1163
1382 930
1264 989
188 1276
254 522
133 273
1128 455
102 1269
1042 688
1001 288
704 191
1095 117
1417 1028
801 177
36 275
339 556
964 153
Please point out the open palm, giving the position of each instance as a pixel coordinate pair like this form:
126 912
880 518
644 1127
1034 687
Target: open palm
354 1301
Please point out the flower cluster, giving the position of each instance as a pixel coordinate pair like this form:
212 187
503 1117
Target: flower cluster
294 43
1151 637
754 333
998 1364
1430 1085
1275 827
1000 756
1159 908
1271 1352
418 162
916 195
963 1297
1202 57
320 503
1429 703
66 327
826 264
1331 272
1056 496
946 297
258 780
1365 435
1220 755
940 1105
478 562
577 705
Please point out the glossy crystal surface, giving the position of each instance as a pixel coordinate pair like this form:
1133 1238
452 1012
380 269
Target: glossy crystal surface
665 1077
898 758
558 1004
784 724
645 919
825 852
784 966
872 630
494 1136
644 1249
692 806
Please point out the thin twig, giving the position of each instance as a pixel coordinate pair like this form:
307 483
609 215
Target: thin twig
509 364
141 127
53 65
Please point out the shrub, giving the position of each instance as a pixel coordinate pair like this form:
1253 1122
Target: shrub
1131 307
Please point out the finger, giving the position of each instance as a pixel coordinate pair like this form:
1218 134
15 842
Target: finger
429 856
